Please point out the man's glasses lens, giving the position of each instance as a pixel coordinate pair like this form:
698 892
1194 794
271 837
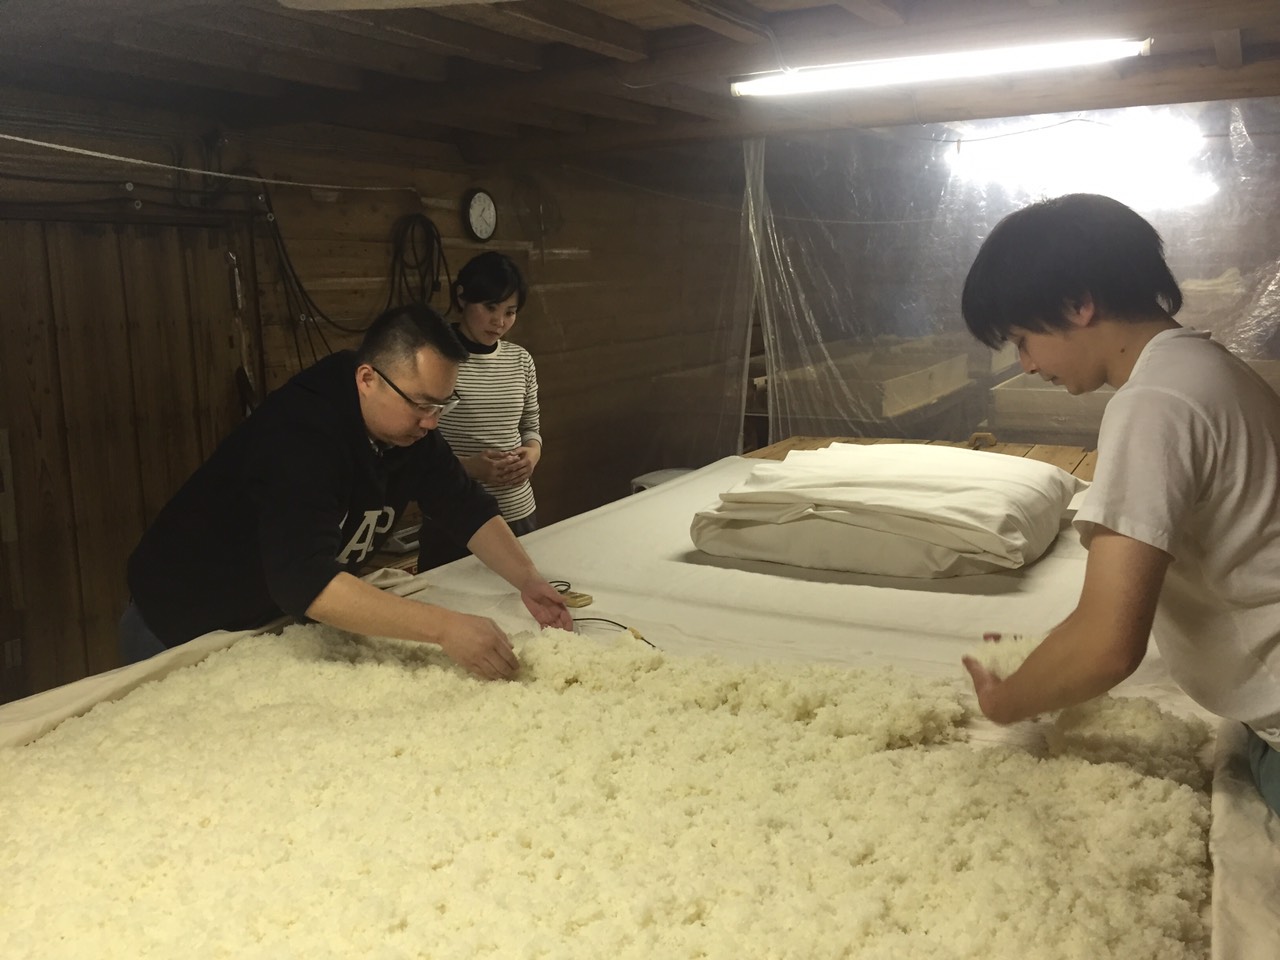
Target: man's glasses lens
424 408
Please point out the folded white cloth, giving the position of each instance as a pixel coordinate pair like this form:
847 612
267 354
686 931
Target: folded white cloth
904 510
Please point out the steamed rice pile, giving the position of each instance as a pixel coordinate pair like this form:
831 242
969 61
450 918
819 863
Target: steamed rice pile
314 795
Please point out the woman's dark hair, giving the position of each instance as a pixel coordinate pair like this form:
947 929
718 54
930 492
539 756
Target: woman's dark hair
489 278
399 333
1047 257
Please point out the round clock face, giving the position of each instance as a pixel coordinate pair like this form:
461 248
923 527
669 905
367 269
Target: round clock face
481 214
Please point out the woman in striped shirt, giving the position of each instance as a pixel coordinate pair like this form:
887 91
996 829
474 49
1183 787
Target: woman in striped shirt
494 431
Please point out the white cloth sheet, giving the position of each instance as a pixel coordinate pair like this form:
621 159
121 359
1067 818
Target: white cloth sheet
635 558
903 509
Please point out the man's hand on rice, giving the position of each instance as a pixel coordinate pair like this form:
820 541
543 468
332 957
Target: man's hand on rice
478 645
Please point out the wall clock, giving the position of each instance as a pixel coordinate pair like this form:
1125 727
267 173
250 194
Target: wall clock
479 214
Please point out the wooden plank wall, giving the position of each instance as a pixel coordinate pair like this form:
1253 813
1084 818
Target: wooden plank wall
118 349
40 479
116 325
627 284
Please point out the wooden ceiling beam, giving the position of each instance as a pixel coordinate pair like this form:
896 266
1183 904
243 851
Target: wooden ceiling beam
352 50
737 22
548 22
435 34
824 36
673 96
417 31
1182 78
1228 48
192 46
878 12
610 108
104 60
816 37
30 19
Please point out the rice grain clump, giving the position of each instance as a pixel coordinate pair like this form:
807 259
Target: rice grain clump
1003 657
1133 731
320 796
1137 733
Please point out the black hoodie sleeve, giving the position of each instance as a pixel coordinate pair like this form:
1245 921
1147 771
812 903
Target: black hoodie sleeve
297 480
447 495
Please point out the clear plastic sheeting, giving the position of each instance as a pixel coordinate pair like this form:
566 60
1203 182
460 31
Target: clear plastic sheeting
858 243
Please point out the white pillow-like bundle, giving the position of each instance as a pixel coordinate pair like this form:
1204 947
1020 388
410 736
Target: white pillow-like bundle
903 510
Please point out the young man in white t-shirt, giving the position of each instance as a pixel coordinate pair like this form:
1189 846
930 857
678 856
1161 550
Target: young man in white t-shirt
1183 519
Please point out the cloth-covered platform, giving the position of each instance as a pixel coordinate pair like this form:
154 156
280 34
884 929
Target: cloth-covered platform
635 558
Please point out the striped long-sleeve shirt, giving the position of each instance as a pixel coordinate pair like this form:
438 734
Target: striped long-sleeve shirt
499 411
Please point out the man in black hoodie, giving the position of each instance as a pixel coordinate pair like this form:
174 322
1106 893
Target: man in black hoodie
305 489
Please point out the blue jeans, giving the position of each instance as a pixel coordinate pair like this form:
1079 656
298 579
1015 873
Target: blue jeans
1264 761
137 642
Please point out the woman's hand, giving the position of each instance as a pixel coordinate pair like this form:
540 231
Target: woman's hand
503 468
526 458
516 466
492 467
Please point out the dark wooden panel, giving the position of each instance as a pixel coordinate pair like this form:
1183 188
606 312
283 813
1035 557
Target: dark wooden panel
43 565
93 345
162 362
216 352
12 683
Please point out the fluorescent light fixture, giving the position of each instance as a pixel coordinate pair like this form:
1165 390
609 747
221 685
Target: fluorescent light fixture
940 66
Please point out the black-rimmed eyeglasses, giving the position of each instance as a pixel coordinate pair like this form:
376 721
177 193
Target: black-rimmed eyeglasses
427 409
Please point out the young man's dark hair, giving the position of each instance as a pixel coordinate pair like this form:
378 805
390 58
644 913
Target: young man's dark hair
400 332
1053 254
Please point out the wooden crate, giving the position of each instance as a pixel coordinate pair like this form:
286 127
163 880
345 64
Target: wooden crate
984 363
889 383
894 385
1026 409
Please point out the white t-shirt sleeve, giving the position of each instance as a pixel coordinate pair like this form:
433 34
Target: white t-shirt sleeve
1154 449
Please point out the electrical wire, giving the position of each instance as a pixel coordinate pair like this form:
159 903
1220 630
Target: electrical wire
301 304
417 261
622 628
564 586
254 178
